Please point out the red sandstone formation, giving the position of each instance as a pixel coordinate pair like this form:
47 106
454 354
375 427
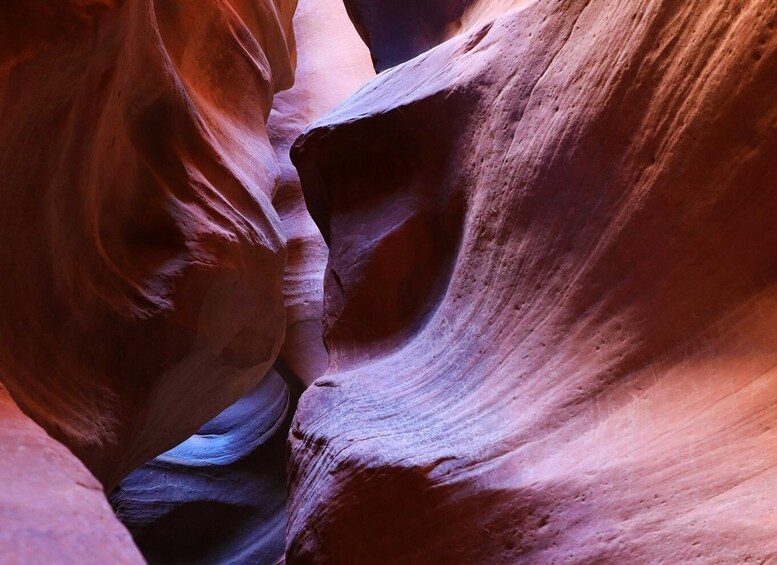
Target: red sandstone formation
220 496
549 296
545 322
399 30
52 510
326 40
142 260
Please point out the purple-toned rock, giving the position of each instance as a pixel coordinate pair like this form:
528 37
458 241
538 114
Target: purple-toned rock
550 296
52 510
220 496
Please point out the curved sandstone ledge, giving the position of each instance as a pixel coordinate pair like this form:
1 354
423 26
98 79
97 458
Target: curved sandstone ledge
583 369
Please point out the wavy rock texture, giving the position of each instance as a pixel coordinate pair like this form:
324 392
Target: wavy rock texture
142 258
52 510
550 296
220 496
326 40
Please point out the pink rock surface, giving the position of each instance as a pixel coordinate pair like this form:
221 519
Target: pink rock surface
142 260
332 63
52 510
550 296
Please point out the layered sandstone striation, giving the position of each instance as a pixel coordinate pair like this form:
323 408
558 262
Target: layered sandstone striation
52 510
326 40
220 496
530 284
142 258
550 295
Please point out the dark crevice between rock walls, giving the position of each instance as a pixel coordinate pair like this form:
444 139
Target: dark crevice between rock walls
220 496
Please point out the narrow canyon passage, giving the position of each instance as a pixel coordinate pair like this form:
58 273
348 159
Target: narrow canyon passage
220 497
388 282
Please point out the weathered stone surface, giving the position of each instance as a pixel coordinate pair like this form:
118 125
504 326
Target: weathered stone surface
332 63
549 288
220 496
52 510
142 261
550 296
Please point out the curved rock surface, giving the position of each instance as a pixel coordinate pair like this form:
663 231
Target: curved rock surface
550 296
220 496
52 510
332 63
142 258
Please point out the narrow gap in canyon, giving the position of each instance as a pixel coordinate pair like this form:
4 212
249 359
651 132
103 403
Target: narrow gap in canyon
220 496
361 282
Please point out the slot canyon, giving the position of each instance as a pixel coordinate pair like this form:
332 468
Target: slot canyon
360 282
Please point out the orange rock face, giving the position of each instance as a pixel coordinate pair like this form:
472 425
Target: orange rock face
52 509
527 273
549 296
220 496
142 258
